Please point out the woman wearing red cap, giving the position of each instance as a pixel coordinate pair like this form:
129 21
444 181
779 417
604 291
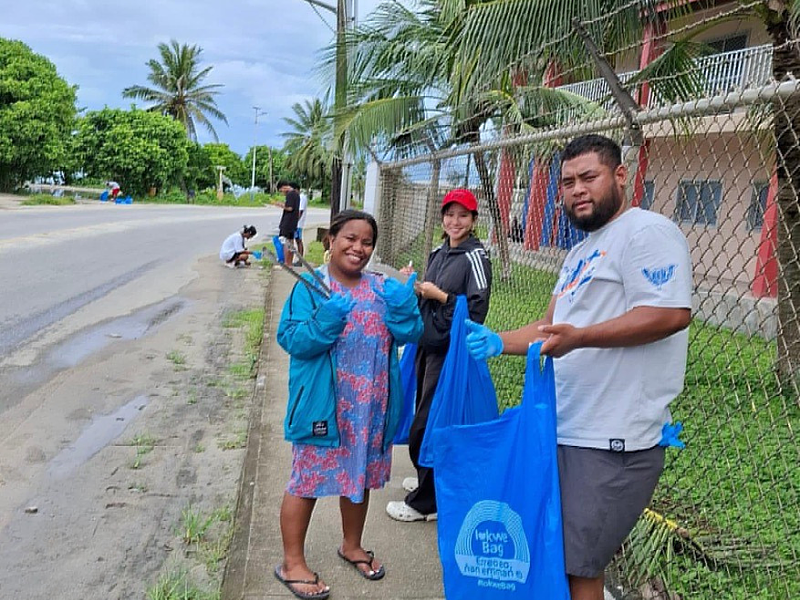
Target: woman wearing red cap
459 266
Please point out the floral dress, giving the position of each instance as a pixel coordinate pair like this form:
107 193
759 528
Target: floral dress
362 388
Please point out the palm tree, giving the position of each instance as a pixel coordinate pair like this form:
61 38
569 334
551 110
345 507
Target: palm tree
178 88
308 144
542 21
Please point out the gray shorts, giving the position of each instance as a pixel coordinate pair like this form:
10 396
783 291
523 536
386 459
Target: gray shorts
602 495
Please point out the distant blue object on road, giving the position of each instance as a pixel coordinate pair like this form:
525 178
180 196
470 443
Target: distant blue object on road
104 196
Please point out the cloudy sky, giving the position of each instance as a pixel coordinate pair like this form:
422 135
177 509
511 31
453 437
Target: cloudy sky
264 52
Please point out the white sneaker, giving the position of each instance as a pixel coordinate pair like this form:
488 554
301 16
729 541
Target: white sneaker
400 511
230 265
410 484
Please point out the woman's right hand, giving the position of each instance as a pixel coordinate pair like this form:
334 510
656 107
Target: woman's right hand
339 305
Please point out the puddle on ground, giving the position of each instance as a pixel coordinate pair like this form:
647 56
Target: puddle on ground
75 349
100 432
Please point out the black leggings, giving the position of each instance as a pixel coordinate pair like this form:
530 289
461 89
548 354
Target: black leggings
429 365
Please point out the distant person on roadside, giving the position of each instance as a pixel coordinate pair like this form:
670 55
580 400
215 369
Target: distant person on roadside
301 222
288 224
617 328
233 251
113 189
345 396
459 267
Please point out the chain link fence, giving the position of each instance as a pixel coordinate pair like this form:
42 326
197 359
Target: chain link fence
724 522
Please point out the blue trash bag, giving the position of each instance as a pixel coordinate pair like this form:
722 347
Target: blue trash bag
498 500
465 392
104 196
276 241
408 377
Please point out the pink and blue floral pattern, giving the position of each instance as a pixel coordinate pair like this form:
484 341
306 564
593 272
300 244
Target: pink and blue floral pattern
362 380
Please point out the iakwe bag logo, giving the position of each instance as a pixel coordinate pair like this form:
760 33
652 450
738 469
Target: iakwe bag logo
492 546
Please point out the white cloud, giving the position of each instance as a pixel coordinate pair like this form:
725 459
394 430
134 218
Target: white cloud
264 52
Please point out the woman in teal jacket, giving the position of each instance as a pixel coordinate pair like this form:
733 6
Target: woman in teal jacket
345 395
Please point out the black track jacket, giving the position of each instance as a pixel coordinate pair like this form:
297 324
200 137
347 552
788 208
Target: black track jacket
463 270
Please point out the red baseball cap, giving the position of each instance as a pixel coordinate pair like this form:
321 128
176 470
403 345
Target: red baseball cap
463 197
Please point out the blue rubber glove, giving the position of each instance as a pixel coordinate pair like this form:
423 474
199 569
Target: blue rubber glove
482 342
670 433
339 305
395 293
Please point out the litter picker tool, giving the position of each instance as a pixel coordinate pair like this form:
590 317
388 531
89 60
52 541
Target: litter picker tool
325 293
313 272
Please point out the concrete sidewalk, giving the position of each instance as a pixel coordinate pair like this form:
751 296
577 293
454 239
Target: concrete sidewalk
408 550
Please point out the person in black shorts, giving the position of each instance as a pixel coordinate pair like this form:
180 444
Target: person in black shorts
289 218
617 328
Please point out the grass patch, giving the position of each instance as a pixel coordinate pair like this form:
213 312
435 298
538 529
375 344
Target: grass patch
314 252
733 493
144 444
194 526
253 323
241 370
209 198
47 200
318 203
177 358
176 585
239 440
210 535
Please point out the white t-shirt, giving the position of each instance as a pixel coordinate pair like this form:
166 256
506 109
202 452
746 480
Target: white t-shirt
617 398
233 243
303 206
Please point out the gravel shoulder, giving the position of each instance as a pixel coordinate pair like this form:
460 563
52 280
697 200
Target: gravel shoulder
123 470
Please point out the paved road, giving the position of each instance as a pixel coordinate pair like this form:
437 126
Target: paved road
56 261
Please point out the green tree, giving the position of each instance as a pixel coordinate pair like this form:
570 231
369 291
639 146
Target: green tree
200 173
416 85
37 113
308 144
235 168
179 90
138 149
263 156
486 44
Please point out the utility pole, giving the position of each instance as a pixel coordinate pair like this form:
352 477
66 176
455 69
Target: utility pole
258 112
270 168
220 192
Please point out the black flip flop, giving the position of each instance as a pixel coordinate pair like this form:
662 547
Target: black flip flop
372 575
322 595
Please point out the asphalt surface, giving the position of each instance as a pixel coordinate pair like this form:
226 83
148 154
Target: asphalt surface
116 258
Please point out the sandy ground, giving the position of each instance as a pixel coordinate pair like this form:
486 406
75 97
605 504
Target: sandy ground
103 465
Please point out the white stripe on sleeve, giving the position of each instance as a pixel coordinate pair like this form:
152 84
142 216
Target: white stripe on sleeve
477 268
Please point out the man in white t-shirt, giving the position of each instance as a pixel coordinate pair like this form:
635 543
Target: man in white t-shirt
298 234
617 328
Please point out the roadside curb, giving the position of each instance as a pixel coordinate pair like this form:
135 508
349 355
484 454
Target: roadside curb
235 575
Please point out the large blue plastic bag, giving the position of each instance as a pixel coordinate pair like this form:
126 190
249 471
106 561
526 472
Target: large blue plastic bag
465 392
408 377
498 499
